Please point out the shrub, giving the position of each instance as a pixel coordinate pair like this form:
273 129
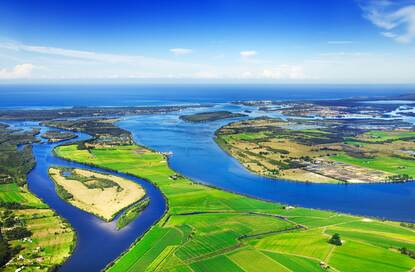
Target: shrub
335 240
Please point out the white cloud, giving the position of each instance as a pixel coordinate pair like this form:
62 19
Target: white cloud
86 55
69 63
19 71
388 34
340 42
206 75
285 72
248 54
397 19
345 54
181 51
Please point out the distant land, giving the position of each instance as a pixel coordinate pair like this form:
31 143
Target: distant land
210 116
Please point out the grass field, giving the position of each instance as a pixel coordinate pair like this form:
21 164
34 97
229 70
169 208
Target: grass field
12 193
389 164
382 136
206 229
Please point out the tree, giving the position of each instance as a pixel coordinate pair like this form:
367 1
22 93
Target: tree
4 251
18 233
335 240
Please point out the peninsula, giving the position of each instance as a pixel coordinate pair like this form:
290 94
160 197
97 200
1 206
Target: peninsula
323 151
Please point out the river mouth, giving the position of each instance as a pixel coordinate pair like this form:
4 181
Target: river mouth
98 242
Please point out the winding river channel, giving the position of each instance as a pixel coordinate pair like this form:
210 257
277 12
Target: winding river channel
196 155
98 242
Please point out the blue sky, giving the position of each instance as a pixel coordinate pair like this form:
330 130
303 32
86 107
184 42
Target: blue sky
298 41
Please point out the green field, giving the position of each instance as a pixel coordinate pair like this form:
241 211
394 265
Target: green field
389 164
382 136
206 229
52 239
12 193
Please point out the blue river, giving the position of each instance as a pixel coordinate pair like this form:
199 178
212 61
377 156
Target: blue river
98 242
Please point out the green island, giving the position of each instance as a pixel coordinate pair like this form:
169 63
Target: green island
207 229
322 151
54 136
210 116
132 213
32 236
100 194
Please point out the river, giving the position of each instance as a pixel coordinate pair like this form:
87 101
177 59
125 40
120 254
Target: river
98 242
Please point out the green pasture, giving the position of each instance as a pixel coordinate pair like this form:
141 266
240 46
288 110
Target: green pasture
394 165
382 136
246 136
12 193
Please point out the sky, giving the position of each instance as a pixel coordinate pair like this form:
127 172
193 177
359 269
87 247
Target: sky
262 41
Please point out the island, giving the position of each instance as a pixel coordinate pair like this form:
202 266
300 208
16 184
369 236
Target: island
210 116
323 151
76 112
54 136
100 194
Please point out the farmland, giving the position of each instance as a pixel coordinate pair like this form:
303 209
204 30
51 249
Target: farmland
206 229
324 151
46 241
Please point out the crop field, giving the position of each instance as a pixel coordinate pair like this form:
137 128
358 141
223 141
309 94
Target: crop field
12 193
295 263
382 136
389 164
52 239
206 229
243 258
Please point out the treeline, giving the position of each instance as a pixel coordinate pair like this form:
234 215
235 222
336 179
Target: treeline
16 162
12 228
